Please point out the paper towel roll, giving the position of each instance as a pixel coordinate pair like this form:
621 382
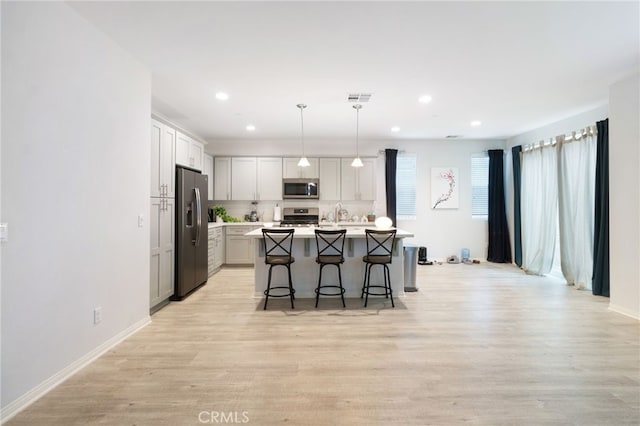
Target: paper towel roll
276 214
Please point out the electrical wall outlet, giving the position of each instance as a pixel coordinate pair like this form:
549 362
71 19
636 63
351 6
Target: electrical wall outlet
140 220
97 315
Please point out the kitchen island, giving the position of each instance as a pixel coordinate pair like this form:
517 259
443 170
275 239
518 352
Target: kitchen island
304 271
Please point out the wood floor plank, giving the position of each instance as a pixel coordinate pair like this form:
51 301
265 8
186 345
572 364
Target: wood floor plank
477 344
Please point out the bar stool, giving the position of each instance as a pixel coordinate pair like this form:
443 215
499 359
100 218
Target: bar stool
380 245
330 245
277 252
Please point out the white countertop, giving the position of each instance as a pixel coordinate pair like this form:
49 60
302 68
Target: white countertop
219 224
323 225
309 232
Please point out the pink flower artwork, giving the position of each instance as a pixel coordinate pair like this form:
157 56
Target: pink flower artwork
444 191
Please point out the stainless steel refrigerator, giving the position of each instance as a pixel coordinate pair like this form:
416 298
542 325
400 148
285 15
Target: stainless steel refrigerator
191 231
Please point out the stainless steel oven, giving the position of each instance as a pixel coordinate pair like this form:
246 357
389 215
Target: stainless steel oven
300 189
300 216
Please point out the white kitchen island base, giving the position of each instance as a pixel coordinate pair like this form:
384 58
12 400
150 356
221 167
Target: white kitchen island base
305 270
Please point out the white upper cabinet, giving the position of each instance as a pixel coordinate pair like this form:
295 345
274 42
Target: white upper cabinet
260 178
197 155
256 178
291 170
329 179
243 178
358 183
207 169
183 145
269 175
367 180
163 143
348 181
189 152
221 178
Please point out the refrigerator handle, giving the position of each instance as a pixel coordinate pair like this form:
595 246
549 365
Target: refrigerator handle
198 216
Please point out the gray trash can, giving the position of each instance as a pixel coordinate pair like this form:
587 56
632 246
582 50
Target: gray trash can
410 254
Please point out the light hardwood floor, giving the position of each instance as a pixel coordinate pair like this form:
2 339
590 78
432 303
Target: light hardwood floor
479 344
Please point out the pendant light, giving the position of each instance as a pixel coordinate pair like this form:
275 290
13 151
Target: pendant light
303 160
357 162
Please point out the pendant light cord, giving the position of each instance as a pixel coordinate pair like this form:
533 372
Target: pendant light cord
302 107
356 161
302 128
357 132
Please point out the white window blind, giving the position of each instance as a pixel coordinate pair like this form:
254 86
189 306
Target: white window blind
480 186
406 187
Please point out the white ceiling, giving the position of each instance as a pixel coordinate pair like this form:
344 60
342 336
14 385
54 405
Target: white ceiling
515 66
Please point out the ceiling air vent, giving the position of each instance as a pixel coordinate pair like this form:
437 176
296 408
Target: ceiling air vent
359 97
453 136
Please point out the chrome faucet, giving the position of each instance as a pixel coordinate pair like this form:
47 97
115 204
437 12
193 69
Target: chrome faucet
337 211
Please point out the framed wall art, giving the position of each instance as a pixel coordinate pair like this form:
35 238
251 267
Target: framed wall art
444 188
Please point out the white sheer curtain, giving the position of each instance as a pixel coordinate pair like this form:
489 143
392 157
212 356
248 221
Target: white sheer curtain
539 208
576 191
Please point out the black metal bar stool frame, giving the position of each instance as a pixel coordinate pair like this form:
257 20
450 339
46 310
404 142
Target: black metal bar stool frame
380 244
277 252
330 246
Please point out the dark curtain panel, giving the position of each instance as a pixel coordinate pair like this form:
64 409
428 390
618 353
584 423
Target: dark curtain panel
517 231
600 284
499 245
391 156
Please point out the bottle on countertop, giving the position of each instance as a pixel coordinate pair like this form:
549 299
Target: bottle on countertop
253 216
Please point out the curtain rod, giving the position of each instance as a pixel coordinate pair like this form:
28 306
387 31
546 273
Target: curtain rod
573 137
576 136
400 151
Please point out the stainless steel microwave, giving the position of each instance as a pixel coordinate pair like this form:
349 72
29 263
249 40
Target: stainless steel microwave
300 189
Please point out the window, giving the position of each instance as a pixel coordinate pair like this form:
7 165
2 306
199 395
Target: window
480 186
406 187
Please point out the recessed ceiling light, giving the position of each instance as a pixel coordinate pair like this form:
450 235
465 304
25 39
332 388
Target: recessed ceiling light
424 99
250 127
395 129
222 96
476 122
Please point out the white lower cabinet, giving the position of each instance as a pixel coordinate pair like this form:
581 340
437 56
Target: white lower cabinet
216 249
162 224
210 254
239 249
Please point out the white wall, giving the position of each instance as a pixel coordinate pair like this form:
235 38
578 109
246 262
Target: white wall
443 232
624 196
75 176
1 133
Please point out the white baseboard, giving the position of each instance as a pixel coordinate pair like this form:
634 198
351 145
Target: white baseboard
40 390
624 311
